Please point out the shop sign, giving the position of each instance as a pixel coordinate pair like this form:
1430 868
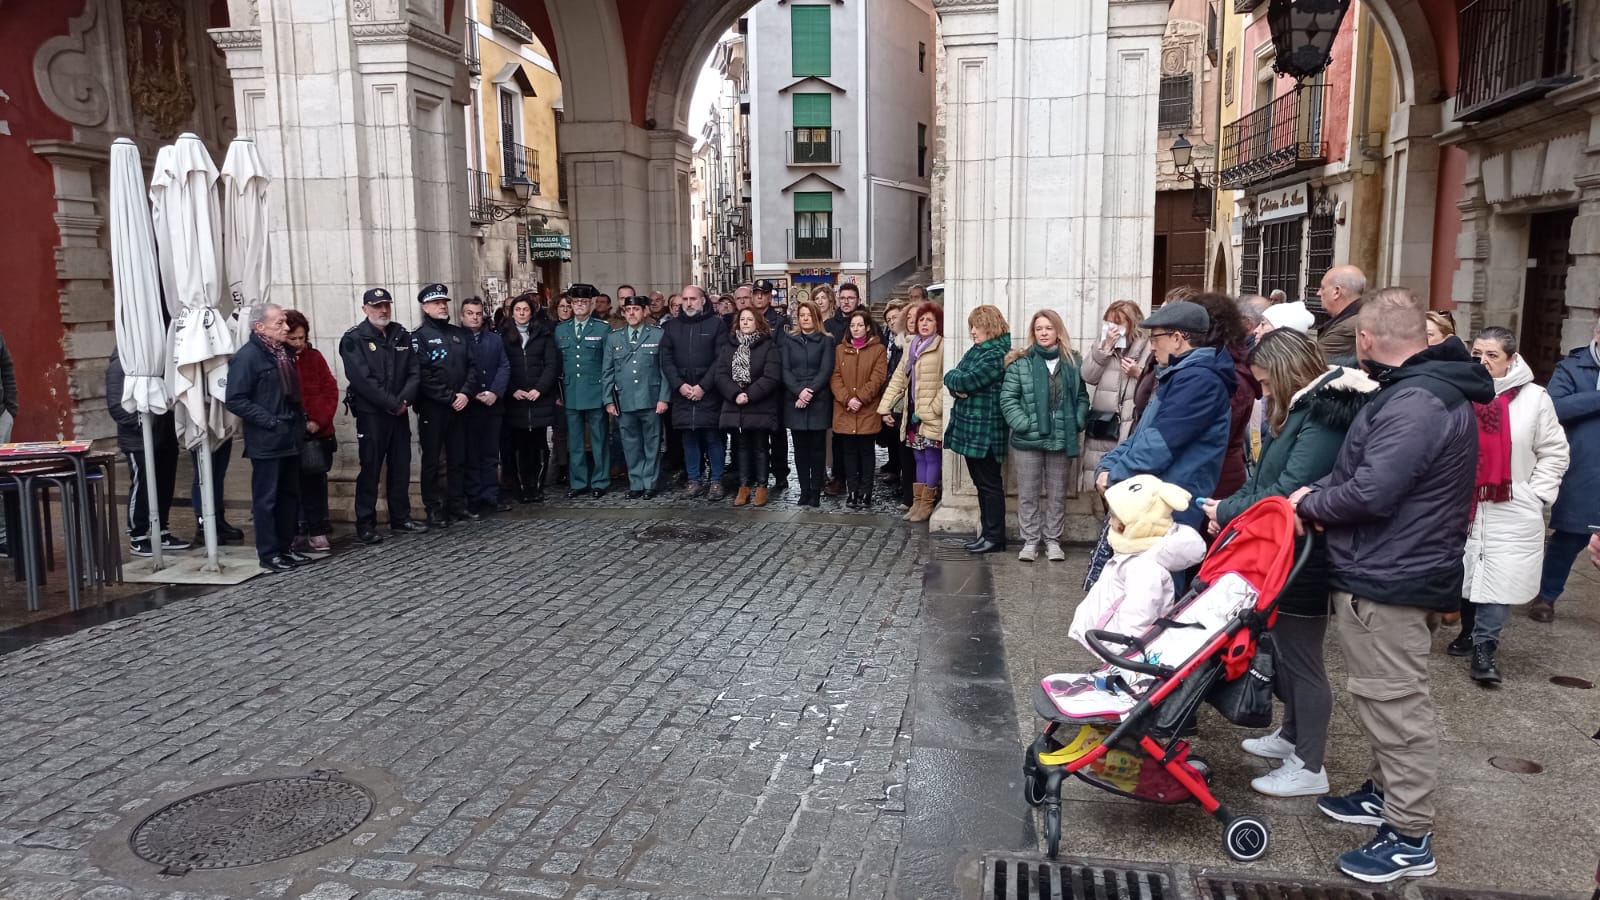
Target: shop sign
1291 202
550 246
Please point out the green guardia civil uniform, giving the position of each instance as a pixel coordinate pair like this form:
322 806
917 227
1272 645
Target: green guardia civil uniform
633 381
583 358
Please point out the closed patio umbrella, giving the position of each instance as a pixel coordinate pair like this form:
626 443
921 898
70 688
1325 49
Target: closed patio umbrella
141 336
244 218
183 193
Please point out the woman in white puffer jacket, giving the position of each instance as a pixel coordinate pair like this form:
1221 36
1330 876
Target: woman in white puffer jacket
1522 454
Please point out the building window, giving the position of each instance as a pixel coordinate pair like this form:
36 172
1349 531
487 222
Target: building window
522 243
922 57
813 225
1319 259
1280 258
922 150
510 132
813 129
1250 261
1227 77
1213 34
811 40
1177 102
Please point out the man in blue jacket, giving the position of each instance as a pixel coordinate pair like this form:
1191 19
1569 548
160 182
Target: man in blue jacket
264 392
1397 508
1183 435
1575 390
491 373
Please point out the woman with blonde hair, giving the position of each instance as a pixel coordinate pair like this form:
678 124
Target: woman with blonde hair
1112 368
913 407
1441 325
895 339
1045 403
977 428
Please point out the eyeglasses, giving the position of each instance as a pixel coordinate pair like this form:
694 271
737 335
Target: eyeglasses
1161 334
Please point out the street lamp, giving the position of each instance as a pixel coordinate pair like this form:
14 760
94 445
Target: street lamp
1182 156
1303 33
523 187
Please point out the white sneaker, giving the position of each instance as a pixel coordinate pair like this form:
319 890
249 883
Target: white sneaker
1293 779
1270 746
1030 552
1052 551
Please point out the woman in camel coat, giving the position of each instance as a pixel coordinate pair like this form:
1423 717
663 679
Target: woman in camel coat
916 389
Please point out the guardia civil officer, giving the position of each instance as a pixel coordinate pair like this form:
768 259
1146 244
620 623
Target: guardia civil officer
582 342
447 378
381 360
485 414
636 394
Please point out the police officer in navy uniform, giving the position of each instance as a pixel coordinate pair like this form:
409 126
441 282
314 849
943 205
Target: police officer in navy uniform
484 415
582 341
381 360
636 394
448 375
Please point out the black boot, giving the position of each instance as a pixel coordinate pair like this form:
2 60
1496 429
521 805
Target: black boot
1462 645
1484 671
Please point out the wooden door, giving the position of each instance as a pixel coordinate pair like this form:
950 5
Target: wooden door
1544 305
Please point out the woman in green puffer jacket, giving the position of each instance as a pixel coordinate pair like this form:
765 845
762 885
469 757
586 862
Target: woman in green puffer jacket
1045 404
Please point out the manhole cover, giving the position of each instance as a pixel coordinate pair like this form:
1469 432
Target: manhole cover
1570 681
1514 765
250 823
687 534
1225 886
1018 878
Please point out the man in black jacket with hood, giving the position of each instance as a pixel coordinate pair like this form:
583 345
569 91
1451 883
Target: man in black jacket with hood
1397 509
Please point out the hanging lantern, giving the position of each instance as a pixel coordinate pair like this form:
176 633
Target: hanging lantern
1303 33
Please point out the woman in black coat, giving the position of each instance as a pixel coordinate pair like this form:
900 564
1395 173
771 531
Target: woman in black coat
749 375
808 397
531 397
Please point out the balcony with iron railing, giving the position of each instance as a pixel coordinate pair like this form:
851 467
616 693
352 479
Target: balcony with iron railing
509 22
1284 136
1243 6
469 48
519 165
1512 53
480 208
813 147
815 247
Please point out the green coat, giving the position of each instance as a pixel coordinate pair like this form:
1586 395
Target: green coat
976 427
1017 404
633 378
583 363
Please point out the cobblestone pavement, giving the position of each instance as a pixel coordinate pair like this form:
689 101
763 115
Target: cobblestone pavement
543 708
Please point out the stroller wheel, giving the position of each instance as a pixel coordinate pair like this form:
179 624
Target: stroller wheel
1246 838
1201 766
1052 830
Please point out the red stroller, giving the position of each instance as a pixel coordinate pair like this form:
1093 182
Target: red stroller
1129 714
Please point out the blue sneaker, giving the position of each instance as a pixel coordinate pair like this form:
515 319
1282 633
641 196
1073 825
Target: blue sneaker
1362 806
1390 856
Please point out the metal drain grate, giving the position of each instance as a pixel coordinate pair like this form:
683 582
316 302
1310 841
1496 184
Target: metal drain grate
1435 893
250 823
686 534
1023 878
1222 886
954 553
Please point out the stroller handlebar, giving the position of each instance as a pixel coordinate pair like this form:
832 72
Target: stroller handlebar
1097 642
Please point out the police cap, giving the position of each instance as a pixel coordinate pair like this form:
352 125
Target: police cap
433 292
581 291
376 296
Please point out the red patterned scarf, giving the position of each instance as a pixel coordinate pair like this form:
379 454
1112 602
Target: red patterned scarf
1494 449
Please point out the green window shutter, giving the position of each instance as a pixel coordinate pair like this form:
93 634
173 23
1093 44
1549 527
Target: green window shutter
813 201
811 39
813 110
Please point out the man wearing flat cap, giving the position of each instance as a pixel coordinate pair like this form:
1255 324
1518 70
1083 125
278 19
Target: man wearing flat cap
381 360
582 341
636 394
448 374
1183 433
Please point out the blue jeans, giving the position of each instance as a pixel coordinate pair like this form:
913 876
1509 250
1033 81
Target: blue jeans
703 446
1560 552
1488 621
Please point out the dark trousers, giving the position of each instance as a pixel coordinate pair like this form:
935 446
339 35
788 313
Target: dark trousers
221 455
750 451
1560 552
481 426
777 454
908 469
671 445
859 456
985 474
274 503
383 441
705 452
889 439
810 459
314 503
838 457
442 435
559 450
530 454
166 469
1301 682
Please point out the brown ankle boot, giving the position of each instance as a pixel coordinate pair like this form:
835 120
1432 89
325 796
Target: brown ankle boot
742 497
759 498
927 498
916 501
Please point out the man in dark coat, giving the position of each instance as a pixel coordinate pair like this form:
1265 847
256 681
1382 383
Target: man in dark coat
264 392
689 346
1397 508
448 376
130 440
381 360
1575 391
778 440
491 372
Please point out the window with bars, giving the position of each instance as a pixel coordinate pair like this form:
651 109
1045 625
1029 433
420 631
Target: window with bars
522 243
1319 259
813 128
1176 109
810 40
1280 257
1227 77
922 150
1250 261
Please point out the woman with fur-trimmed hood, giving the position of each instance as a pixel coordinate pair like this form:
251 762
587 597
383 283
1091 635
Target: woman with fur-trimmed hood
1310 406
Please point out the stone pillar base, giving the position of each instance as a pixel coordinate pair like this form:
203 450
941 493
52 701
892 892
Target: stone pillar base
957 516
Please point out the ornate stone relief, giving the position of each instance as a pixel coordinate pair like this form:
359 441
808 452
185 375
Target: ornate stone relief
361 10
159 83
965 5
68 69
386 32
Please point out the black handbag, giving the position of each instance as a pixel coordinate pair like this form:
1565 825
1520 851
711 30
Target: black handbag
1102 425
1247 700
316 454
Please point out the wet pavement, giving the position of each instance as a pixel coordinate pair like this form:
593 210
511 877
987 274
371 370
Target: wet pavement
565 703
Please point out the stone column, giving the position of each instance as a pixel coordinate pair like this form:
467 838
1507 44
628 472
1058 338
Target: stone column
1583 279
1413 192
670 158
1048 116
609 201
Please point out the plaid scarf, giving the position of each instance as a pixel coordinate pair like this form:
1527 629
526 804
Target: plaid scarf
287 373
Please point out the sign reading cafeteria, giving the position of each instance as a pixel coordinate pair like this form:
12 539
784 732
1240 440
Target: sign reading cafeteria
1289 203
